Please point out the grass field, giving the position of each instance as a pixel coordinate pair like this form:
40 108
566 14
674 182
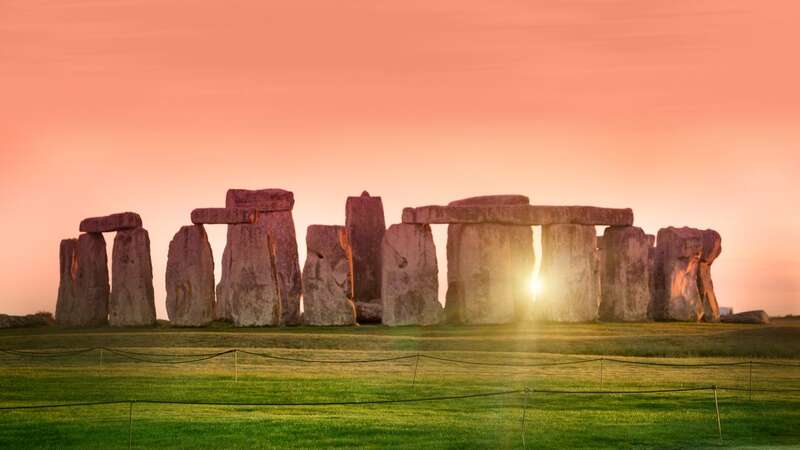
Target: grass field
663 420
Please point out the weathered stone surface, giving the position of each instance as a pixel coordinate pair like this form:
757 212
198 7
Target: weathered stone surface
279 227
626 272
190 278
248 293
570 274
113 222
518 215
83 289
365 224
757 316
30 320
410 279
283 240
678 253
132 302
369 312
712 247
228 216
489 268
263 200
492 200
326 278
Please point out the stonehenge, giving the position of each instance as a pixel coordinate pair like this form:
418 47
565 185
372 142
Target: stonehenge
261 281
132 300
489 267
570 268
83 288
84 295
327 278
626 270
410 277
190 278
365 225
361 272
678 277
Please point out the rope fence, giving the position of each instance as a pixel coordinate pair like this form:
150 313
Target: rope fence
526 393
197 357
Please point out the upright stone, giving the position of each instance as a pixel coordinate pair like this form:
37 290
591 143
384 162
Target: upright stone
326 278
190 278
489 267
132 302
626 274
365 224
83 288
570 274
274 217
248 293
712 247
410 279
679 252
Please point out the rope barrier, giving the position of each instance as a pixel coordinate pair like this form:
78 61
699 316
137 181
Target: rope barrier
328 361
270 404
197 357
478 363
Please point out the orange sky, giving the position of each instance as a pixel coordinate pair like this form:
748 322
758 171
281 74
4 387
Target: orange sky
687 111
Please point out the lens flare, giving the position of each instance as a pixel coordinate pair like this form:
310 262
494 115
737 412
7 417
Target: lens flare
536 285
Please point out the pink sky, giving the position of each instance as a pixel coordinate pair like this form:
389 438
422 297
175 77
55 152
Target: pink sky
686 111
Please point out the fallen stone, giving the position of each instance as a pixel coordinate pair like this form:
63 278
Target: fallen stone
190 278
83 289
369 312
30 320
410 279
569 273
279 227
263 200
626 274
248 293
489 268
758 316
365 224
228 216
527 215
132 302
326 278
677 260
113 222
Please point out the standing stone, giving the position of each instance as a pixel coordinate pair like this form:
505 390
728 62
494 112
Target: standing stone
410 279
83 289
678 255
326 278
190 278
626 272
489 267
248 293
132 302
274 217
712 247
365 224
570 274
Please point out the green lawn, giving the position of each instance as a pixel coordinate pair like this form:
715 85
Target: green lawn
666 420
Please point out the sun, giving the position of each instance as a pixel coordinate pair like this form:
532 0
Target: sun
536 285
